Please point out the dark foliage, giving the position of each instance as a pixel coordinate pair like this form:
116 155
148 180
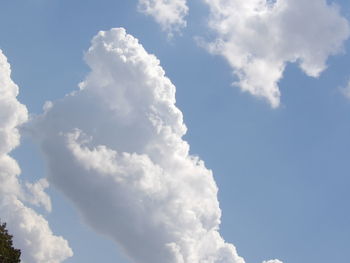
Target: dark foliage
8 254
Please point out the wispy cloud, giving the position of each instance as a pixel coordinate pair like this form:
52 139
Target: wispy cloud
346 90
170 15
258 39
115 148
31 231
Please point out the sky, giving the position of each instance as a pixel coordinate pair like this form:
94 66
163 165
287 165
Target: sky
175 131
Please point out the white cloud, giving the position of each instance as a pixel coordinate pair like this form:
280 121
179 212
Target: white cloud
37 195
31 231
259 37
170 14
346 90
115 148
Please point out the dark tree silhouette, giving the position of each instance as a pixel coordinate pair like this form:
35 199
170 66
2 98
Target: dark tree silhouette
8 254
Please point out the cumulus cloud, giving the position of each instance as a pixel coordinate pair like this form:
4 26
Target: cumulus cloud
31 231
115 148
169 14
259 37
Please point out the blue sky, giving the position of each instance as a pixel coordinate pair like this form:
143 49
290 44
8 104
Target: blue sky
282 173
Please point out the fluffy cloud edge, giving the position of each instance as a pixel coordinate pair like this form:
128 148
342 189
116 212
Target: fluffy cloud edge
259 39
31 231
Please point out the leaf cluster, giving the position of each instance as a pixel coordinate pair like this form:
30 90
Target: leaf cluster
8 254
